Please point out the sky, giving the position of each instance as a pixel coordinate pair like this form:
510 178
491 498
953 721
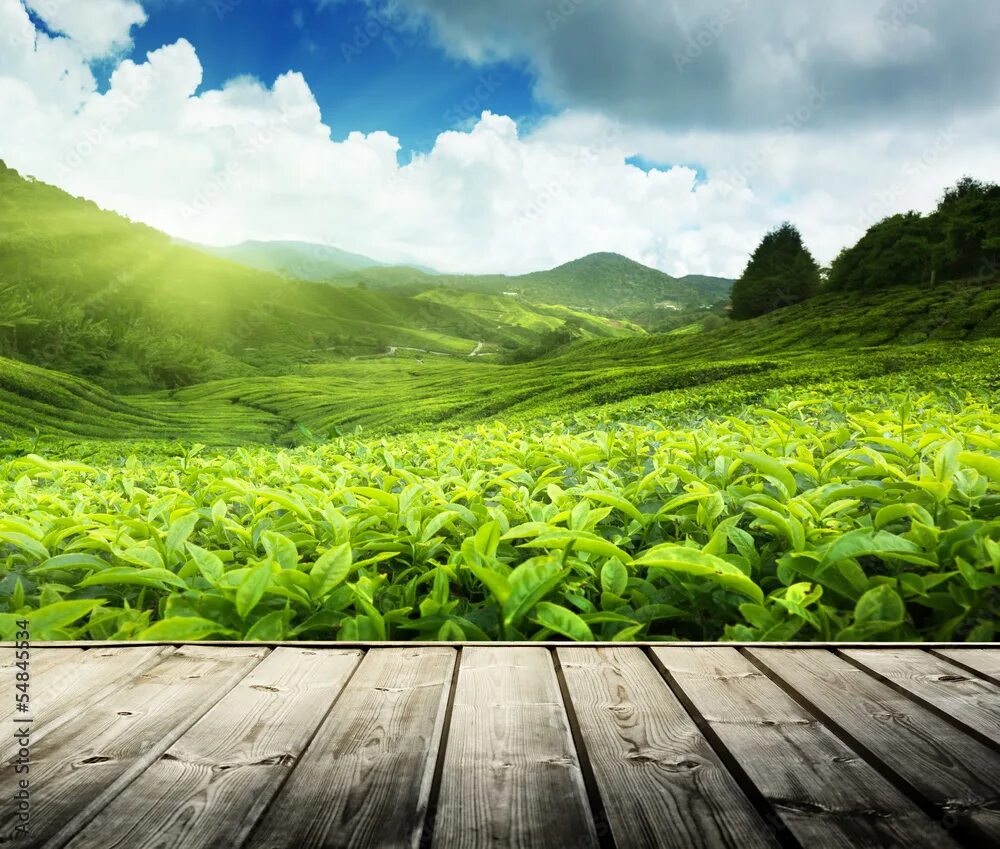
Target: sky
505 135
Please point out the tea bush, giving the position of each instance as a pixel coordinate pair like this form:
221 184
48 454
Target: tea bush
842 517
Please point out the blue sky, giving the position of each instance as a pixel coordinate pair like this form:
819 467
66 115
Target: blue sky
366 71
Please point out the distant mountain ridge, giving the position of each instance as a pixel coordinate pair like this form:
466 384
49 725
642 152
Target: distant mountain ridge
610 281
91 293
301 260
603 283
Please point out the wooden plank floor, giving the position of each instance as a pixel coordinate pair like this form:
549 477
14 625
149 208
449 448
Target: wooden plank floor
321 746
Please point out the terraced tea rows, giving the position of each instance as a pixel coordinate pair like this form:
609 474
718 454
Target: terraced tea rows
848 517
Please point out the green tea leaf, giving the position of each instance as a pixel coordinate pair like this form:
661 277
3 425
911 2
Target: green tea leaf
251 589
59 615
182 629
614 577
529 583
331 570
675 558
131 575
562 621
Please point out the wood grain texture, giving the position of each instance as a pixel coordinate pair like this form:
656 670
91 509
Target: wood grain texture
365 778
212 785
822 791
511 775
985 662
39 665
222 746
961 695
955 773
62 691
661 783
409 644
83 764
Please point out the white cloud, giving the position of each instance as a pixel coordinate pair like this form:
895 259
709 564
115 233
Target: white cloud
98 27
256 161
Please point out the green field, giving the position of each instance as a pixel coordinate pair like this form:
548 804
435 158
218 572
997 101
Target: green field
192 448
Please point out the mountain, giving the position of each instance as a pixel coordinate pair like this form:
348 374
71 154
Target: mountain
93 294
515 311
88 292
608 282
603 283
299 260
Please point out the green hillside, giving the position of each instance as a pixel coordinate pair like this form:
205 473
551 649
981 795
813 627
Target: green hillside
298 260
825 471
515 311
611 283
906 335
603 284
35 401
91 293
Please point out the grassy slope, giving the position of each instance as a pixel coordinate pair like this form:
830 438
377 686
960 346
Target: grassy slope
300 260
606 284
842 337
62 405
833 339
538 318
124 306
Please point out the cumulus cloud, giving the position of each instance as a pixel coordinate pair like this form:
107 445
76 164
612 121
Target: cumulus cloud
98 27
256 160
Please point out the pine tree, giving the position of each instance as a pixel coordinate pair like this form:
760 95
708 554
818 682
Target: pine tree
780 272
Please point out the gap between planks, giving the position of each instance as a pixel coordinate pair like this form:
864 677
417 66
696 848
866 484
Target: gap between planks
593 796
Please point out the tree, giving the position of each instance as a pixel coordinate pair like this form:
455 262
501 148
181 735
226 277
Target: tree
970 213
15 314
781 272
897 251
959 240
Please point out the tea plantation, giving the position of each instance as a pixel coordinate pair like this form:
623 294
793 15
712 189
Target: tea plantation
852 510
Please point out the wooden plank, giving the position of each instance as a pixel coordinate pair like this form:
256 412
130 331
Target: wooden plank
60 691
985 662
661 783
39 664
511 775
39 660
955 773
213 784
960 695
819 788
365 778
409 644
82 765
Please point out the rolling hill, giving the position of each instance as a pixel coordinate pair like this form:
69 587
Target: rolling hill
602 284
906 337
90 293
297 260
